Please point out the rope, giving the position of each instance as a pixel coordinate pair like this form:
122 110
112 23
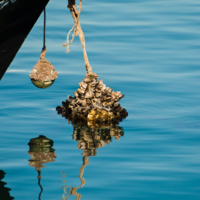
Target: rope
78 31
44 29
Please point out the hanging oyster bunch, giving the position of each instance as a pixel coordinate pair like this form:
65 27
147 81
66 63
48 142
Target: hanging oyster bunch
93 101
43 73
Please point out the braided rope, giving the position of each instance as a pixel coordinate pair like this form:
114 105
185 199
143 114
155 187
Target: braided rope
78 31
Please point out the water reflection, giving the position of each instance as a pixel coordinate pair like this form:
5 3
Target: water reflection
4 191
41 152
90 138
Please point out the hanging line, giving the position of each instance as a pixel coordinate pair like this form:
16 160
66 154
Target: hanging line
39 178
44 28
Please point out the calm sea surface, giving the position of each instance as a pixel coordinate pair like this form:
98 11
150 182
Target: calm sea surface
150 51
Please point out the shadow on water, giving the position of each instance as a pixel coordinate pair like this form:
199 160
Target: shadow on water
41 152
89 139
4 191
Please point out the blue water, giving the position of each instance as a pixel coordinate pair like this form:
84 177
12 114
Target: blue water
150 51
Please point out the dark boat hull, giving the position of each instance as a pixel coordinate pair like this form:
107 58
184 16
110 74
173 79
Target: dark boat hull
16 21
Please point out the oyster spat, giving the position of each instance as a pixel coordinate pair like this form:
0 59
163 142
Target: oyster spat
93 101
43 70
43 73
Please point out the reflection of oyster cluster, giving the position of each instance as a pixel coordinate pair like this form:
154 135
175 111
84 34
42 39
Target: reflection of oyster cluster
90 138
93 102
41 152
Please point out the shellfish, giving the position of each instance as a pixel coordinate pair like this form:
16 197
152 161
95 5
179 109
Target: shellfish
94 101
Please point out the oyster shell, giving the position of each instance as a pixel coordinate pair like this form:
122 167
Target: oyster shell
82 85
98 94
80 91
76 94
86 80
89 94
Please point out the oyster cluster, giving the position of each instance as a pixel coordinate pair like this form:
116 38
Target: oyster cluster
89 139
93 102
43 73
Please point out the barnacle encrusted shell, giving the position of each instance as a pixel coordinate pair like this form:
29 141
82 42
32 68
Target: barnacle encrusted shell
43 73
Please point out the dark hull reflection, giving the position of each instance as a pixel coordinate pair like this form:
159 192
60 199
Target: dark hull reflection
16 20
4 191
